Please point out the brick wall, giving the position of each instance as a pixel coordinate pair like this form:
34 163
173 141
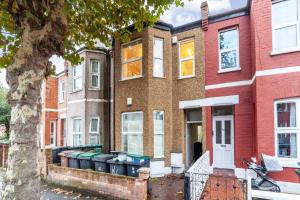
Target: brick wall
3 155
102 183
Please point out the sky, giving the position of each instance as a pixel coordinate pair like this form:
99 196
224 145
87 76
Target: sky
175 15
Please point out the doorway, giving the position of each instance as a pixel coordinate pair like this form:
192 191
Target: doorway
194 136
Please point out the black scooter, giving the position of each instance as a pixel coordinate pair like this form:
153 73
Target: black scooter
262 181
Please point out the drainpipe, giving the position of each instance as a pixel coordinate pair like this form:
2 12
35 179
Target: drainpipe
111 98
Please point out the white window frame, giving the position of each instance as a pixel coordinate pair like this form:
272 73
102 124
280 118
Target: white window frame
90 129
185 59
156 58
238 67
54 134
160 134
133 133
288 162
61 91
76 77
131 60
94 74
77 133
297 23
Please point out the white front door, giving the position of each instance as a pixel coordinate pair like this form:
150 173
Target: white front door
223 142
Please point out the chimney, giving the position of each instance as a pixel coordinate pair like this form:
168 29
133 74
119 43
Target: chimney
204 15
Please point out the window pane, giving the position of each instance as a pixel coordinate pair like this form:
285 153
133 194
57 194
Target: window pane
229 39
286 37
94 125
77 70
77 83
76 140
186 49
227 132
158 146
95 68
158 48
132 69
187 68
194 115
133 144
287 145
218 132
133 122
52 127
228 59
222 110
286 114
94 139
95 81
284 12
77 125
133 50
158 122
158 70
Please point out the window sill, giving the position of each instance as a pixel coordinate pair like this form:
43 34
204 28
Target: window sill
274 53
60 102
158 159
229 70
94 89
289 163
132 78
160 77
185 77
75 91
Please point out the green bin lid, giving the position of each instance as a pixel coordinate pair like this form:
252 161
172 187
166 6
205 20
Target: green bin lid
87 155
135 156
74 155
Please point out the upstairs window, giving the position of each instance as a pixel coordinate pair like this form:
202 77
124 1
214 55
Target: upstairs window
186 59
158 57
132 55
229 50
285 25
77 78
61 94
95 74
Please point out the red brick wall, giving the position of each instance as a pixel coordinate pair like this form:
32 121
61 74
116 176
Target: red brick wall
262 39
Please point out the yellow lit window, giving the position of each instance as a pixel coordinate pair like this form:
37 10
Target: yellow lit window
186 58
132 54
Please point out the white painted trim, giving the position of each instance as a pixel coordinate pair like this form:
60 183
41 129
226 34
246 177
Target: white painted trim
288 187
228 84
54 110
212 101
88 100
273 195
260 73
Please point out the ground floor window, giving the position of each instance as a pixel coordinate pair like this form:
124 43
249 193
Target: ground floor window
94 133
158 124
132 132
77 131
287 128
52 132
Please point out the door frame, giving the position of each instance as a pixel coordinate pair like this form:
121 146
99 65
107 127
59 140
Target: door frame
224 117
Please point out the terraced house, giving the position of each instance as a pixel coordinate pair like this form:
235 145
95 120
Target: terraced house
76 103
159 67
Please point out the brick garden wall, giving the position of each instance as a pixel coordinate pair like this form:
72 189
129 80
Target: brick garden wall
3 155
116 186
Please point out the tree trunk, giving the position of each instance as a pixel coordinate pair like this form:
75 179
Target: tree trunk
25 76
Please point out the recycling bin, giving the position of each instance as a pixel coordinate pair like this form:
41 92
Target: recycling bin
137 159
55 152
117 167
64 160
101 164
85 160
73 161
132 167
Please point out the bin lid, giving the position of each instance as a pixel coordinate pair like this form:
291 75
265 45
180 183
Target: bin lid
74 154
137 164
65 153
139 157
103 157
117 162
87 155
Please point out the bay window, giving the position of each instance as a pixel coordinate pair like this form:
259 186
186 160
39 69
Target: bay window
77 131
229 50
94 133
287 129
186 58
158 57
132 55
285 25
77 78
132 132
95 74
158 124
